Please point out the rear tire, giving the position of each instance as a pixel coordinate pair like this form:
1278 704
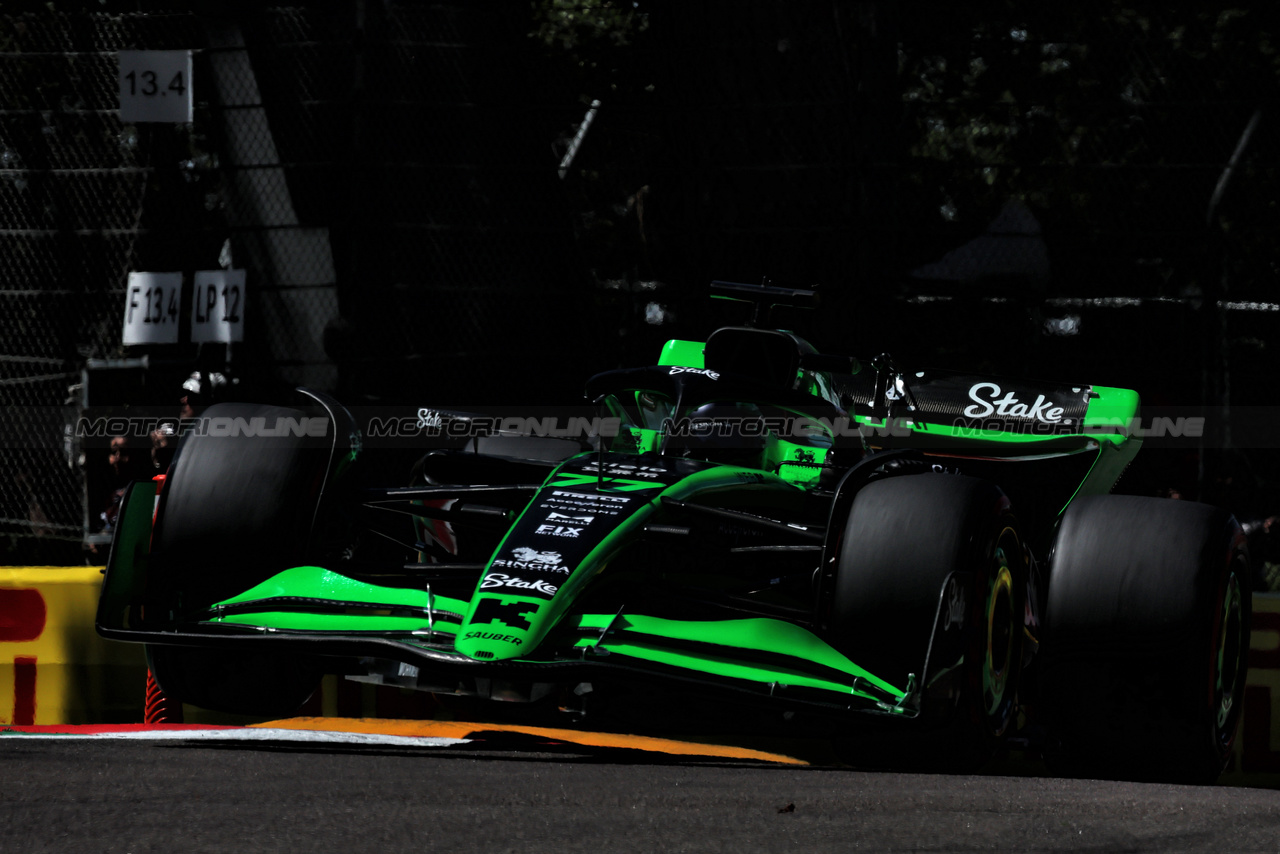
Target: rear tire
903 538
1146 639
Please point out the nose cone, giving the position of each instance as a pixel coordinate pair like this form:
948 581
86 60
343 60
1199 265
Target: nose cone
498 627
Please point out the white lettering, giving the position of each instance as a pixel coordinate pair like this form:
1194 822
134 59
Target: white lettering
561 517
701 371
558 531
528 555
498 636
1042 410
590 497
497 579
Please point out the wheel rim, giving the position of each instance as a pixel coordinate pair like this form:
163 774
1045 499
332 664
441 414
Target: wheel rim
998 662
1227 658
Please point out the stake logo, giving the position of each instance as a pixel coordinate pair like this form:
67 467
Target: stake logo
1043 410
538 585
711 375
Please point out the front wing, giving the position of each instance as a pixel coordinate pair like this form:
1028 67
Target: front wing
406 636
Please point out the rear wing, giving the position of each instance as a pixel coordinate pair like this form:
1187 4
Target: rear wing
952 413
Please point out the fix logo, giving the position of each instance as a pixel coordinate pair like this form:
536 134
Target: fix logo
555 525
711 375
987 401
510 614
524 557
538 585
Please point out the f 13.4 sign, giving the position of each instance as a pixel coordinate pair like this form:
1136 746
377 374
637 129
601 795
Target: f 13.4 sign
152 308
155 86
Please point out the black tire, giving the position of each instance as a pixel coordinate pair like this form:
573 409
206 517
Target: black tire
234 511
903 538
1146 640
262 684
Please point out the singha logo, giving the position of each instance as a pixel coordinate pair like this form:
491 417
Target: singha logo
533 560
528 555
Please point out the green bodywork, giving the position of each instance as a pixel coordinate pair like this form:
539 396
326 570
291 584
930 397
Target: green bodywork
807 660
713 647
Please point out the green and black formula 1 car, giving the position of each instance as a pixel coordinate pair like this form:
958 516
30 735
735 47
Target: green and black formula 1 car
916 564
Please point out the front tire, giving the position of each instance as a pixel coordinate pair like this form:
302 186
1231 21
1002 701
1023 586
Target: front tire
258 683
235 510
1146 639
904 539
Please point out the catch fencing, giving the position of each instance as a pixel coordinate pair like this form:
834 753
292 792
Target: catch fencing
401 185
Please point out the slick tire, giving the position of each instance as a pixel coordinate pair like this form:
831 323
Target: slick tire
903 538
261 684
235 509
1146 640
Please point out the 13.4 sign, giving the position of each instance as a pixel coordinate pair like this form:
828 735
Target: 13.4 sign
155 86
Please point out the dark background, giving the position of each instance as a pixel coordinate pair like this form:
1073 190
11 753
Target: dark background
1083 193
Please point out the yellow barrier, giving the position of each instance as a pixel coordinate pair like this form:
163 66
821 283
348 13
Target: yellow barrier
54 668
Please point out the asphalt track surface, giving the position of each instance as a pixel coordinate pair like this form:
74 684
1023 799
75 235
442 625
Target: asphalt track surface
523 794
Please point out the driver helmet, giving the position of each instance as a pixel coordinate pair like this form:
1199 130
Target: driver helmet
730 433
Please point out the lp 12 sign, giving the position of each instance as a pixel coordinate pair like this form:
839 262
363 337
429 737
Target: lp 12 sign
217 306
